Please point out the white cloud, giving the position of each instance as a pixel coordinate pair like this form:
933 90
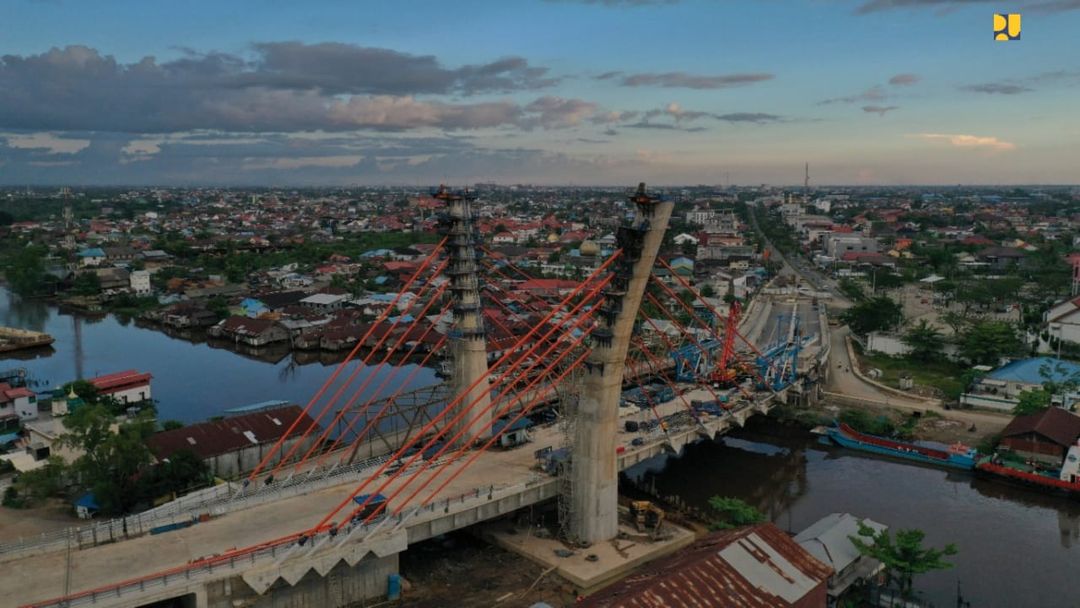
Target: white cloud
969 141
51 142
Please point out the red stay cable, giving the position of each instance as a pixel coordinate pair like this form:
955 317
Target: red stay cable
468 390
329 381
436 438
476 436
356 371
371 375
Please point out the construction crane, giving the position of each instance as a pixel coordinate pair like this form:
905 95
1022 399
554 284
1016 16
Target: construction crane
725 375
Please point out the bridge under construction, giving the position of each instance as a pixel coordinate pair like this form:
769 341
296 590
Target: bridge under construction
629 364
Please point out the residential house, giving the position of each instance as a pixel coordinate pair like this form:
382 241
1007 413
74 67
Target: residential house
113 280
93 256
155 259
252 307
756 565
140 282
1063 321
252 332
1045 436
183 315
17 401
237 444
836 245
1001 258
119 255
829 540
324 302
1000 389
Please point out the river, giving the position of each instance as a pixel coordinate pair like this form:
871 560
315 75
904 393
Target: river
192 380
1015 546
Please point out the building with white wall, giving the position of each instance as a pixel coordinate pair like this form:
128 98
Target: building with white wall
129 386
140 282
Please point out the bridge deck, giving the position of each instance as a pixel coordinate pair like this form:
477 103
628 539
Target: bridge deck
40 577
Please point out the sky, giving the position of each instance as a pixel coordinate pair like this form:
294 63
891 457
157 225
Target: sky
576 92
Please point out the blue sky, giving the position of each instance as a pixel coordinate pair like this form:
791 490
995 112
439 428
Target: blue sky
607 92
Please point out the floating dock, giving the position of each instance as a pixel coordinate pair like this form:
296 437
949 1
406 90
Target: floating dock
18 339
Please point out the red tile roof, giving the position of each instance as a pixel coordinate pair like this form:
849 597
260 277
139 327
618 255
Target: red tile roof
752 567
213 438
120 380
10 394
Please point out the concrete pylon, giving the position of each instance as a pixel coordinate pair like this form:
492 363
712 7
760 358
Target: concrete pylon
594 472
468 344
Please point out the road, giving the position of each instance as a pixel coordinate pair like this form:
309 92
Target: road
34 578
843 380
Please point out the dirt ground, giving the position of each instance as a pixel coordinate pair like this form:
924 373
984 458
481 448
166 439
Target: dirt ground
950 431
25 523
461 570
938 428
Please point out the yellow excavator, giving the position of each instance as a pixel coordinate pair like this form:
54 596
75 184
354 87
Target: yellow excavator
646 516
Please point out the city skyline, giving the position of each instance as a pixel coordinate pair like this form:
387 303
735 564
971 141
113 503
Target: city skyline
264 92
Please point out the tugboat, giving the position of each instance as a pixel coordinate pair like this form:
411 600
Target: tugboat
957 456
1063 481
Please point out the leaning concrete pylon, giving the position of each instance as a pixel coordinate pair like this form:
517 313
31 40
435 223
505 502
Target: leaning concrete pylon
594 472
468 344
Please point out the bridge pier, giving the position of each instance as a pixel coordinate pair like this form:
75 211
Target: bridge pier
468 345
594 479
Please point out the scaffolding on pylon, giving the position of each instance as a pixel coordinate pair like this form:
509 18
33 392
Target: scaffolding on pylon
568 395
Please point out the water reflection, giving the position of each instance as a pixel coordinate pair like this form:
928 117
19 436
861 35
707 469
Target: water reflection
193 378
20 313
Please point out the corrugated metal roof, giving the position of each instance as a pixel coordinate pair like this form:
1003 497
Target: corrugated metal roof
216 437
828 540
120 379
1054 423
752 567
254 407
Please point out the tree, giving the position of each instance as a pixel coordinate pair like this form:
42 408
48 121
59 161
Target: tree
903 556
732 513
852 289
956 321
86 284
925 341
884 278
111 461
26 272
707 290
1032 402
171 425
36 485
181 472
873 314
986 342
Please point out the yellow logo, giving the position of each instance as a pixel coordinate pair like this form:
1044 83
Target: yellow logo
1007 27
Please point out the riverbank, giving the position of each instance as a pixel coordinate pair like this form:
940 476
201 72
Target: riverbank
783 471
925 425
193 379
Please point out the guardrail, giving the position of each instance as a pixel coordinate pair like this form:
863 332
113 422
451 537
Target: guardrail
239 560
234 497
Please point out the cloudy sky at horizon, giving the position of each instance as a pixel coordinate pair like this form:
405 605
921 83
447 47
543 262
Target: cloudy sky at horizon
269 92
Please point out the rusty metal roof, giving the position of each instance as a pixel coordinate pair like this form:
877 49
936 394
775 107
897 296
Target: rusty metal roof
216 437
752 567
